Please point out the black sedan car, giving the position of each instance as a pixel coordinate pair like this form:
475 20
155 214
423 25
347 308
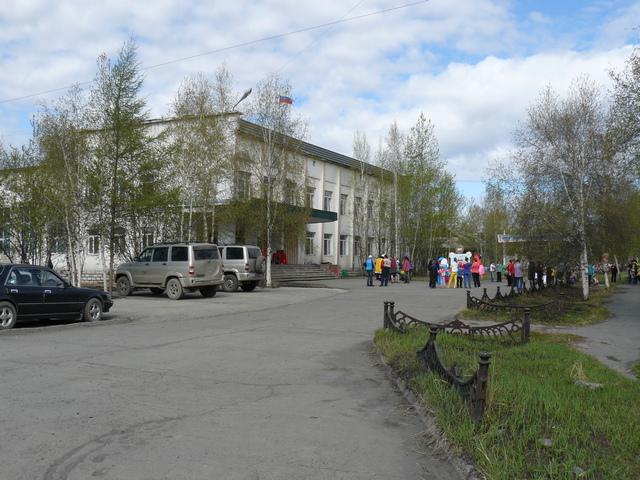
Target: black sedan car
32 292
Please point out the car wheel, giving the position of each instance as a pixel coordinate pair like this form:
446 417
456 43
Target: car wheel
8 315
92 310
208 292
249 286
123 286
230 283
157 291
174 289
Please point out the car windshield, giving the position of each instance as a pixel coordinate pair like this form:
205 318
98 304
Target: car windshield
205 253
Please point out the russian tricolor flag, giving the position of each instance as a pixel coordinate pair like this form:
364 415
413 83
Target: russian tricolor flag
285 100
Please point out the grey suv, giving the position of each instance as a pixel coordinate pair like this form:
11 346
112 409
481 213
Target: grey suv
173 268
243 266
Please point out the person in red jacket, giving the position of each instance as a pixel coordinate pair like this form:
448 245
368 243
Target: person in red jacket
510 273
475 272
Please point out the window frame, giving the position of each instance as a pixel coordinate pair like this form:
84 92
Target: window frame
327 240
344 198
309 243
343 246
326 200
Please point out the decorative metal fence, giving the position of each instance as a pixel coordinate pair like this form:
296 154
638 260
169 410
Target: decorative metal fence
485 303
473 390
513 329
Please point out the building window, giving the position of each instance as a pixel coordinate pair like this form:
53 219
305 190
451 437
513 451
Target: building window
118 242
369 246
343 245
290 192
309 198
5 241
356 246
243 185
308 243
327 200
343 204
357 204
94 244
326 248
370 208
59 245
147 238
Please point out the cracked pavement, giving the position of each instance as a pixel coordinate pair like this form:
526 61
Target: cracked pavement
273 384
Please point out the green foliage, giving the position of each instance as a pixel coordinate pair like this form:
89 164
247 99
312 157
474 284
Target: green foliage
26 213
532 396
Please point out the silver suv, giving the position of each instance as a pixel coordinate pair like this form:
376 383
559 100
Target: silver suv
173 268
243 266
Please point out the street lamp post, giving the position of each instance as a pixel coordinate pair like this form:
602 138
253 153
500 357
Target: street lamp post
244 95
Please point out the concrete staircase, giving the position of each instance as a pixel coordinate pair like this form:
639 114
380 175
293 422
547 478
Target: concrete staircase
299 273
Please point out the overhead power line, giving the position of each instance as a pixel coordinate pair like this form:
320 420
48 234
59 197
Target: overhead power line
232 47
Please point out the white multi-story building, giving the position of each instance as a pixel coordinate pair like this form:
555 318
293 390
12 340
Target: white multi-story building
346 199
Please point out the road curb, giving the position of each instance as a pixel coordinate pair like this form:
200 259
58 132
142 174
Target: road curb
440 443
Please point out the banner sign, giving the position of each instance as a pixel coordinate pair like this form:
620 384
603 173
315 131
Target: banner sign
510 238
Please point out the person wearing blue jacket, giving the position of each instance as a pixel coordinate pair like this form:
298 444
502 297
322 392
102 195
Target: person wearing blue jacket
467 273
369 265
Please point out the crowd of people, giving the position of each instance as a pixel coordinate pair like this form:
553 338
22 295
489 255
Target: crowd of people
462 273
468 271
388 269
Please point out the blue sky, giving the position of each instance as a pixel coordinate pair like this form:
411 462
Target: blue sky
472 66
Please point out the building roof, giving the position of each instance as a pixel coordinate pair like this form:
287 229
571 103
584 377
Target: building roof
314 151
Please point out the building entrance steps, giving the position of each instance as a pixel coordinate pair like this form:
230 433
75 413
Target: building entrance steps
300 273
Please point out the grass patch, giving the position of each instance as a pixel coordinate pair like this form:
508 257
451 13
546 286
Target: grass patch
532 396
575 311
636 370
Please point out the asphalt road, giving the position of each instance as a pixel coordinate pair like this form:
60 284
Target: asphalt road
277 384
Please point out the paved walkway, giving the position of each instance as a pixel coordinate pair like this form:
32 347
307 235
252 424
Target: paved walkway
616 342
274 384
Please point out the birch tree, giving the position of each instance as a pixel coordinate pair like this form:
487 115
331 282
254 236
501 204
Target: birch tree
362 153
562 158
273 158
202 138
63 145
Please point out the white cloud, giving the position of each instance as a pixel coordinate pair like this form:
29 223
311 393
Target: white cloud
538 17
463 66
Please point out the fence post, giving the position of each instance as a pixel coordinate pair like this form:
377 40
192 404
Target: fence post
392 313
468 298
526 325
479 399
385 322
498 294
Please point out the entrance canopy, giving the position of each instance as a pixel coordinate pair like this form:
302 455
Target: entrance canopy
322 216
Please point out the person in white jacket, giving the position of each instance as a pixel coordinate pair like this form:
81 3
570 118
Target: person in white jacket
454 275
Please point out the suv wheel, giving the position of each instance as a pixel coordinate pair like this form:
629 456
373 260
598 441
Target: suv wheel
208 292
230 283
249 286
174 289
123 286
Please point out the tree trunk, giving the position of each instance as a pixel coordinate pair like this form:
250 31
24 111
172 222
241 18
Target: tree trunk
182 222
583 270
104 267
